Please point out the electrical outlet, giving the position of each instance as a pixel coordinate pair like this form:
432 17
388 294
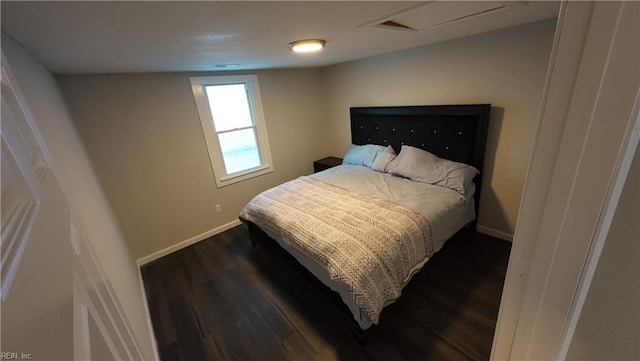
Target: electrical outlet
218 208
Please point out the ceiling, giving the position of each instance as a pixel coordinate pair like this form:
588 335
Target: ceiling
120 37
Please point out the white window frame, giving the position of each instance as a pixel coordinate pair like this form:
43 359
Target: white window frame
221 176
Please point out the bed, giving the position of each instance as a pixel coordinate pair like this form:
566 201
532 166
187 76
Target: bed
360 231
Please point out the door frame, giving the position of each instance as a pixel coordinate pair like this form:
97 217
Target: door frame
561 231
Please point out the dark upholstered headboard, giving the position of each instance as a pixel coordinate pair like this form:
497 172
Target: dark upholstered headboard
455 132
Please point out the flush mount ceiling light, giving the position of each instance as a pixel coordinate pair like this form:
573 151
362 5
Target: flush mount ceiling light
307 45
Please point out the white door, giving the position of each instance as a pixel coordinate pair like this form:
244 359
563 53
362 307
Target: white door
56 303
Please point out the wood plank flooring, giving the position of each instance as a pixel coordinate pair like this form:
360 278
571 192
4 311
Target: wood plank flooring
223 299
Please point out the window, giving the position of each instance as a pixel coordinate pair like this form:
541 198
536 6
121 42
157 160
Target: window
231 116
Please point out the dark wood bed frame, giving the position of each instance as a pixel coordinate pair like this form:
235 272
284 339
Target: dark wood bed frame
454 132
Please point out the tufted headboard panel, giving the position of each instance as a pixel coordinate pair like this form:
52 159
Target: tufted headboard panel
455 132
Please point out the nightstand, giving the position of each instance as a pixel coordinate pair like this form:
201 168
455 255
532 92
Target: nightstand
326 163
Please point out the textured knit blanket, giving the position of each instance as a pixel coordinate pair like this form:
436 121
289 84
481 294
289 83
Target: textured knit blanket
370 246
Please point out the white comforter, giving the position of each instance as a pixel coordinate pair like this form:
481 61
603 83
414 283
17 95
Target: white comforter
446 210
367 245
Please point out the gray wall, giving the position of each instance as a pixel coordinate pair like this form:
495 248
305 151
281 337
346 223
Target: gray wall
609 325
144 137
506 68
143 134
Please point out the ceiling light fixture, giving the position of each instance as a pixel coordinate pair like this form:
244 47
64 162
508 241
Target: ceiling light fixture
307 46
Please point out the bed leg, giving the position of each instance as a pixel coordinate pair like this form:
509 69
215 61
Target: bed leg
254 243
360 337
254 239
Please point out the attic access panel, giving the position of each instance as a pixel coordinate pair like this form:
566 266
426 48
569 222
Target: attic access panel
437 13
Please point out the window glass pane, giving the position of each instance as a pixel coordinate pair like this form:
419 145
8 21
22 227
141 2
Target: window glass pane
239 150
229 106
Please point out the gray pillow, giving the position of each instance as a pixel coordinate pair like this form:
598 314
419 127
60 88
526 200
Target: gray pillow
422 166
362 154
383 159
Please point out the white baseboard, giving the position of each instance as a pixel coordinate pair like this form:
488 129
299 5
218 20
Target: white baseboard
178 246
154 342
495 233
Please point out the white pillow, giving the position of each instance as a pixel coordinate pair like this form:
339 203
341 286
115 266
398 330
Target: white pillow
383 158
422 166
362 154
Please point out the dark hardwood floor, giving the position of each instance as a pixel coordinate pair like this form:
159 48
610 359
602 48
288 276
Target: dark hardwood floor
223 299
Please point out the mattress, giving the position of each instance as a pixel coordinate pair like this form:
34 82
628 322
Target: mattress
444 210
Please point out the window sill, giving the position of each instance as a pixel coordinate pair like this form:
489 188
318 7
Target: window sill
238 177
